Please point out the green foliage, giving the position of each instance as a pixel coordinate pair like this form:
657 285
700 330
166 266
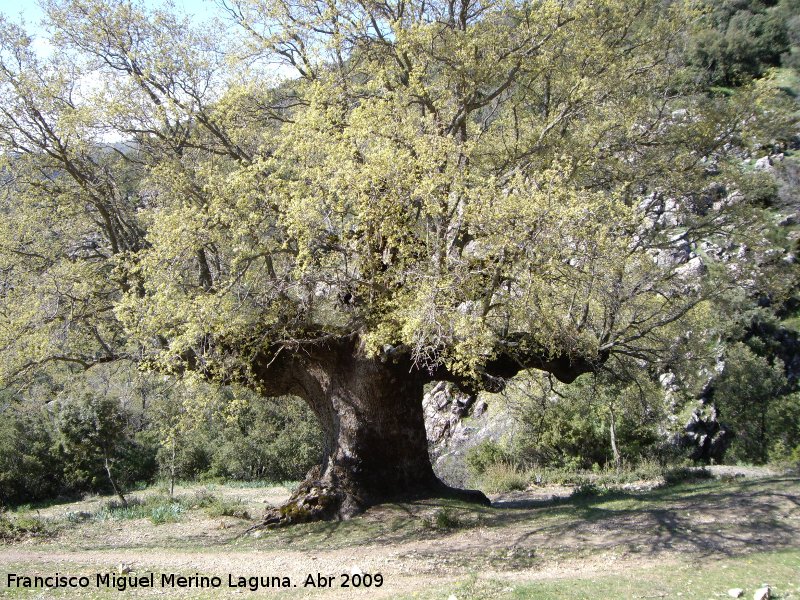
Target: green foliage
585 489
14 528
231 433
749 395
64 447
29 470
274 440
783 418
218 506
444 519
457 180
482 456
166 513
158 509
192 456
227 507
465 191
678 475
97 445
569 426
741 39
502 477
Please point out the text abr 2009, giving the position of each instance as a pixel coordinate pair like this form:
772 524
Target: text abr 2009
362 580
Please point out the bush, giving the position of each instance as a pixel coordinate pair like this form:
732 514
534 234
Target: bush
17 528
226 507
740 40
569 428
159 509
484 455
645 469
94 437
748 396
273 440
686 475
219 506
192 457
166 513
585 489
445 518
782 456
29 470
503 477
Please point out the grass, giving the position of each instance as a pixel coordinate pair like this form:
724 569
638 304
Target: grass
18 527
685 580
503 477
220 506
409 522
609 477
445 518
159 509
788 80
696 538
290 485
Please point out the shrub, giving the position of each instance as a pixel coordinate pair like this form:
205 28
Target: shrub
98 447
740 40
166 513
227 507
686 475
569 426
273 440
503 477
482 456
192 457
445 518
29 471
585 489
115 510
17 528
159 509
748 395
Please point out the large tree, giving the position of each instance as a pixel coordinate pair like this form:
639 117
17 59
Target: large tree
347 200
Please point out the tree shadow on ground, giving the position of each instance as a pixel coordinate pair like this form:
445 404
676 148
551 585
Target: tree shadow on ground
702 518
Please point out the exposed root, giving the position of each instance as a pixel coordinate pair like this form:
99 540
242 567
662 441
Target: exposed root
475 496
315 500
312 501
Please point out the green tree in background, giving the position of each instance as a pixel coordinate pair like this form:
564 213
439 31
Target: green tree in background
93 437
749 393
29 469
741 39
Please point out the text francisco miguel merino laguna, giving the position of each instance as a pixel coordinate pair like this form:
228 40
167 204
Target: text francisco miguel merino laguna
172 580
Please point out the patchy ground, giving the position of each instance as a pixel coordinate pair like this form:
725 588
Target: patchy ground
693 540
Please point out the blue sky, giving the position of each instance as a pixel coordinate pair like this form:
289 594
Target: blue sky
29 9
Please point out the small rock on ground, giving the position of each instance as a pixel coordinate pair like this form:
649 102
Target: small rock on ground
762 593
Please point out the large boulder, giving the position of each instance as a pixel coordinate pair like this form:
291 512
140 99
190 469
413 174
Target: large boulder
455 422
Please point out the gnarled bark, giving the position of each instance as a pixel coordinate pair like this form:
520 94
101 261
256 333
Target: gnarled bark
370 412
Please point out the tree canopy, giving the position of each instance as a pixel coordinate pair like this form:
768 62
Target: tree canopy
466 188
463 180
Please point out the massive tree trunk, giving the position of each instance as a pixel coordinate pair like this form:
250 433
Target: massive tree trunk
370 412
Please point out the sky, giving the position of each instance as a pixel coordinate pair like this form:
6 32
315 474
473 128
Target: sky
31 13
29 9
